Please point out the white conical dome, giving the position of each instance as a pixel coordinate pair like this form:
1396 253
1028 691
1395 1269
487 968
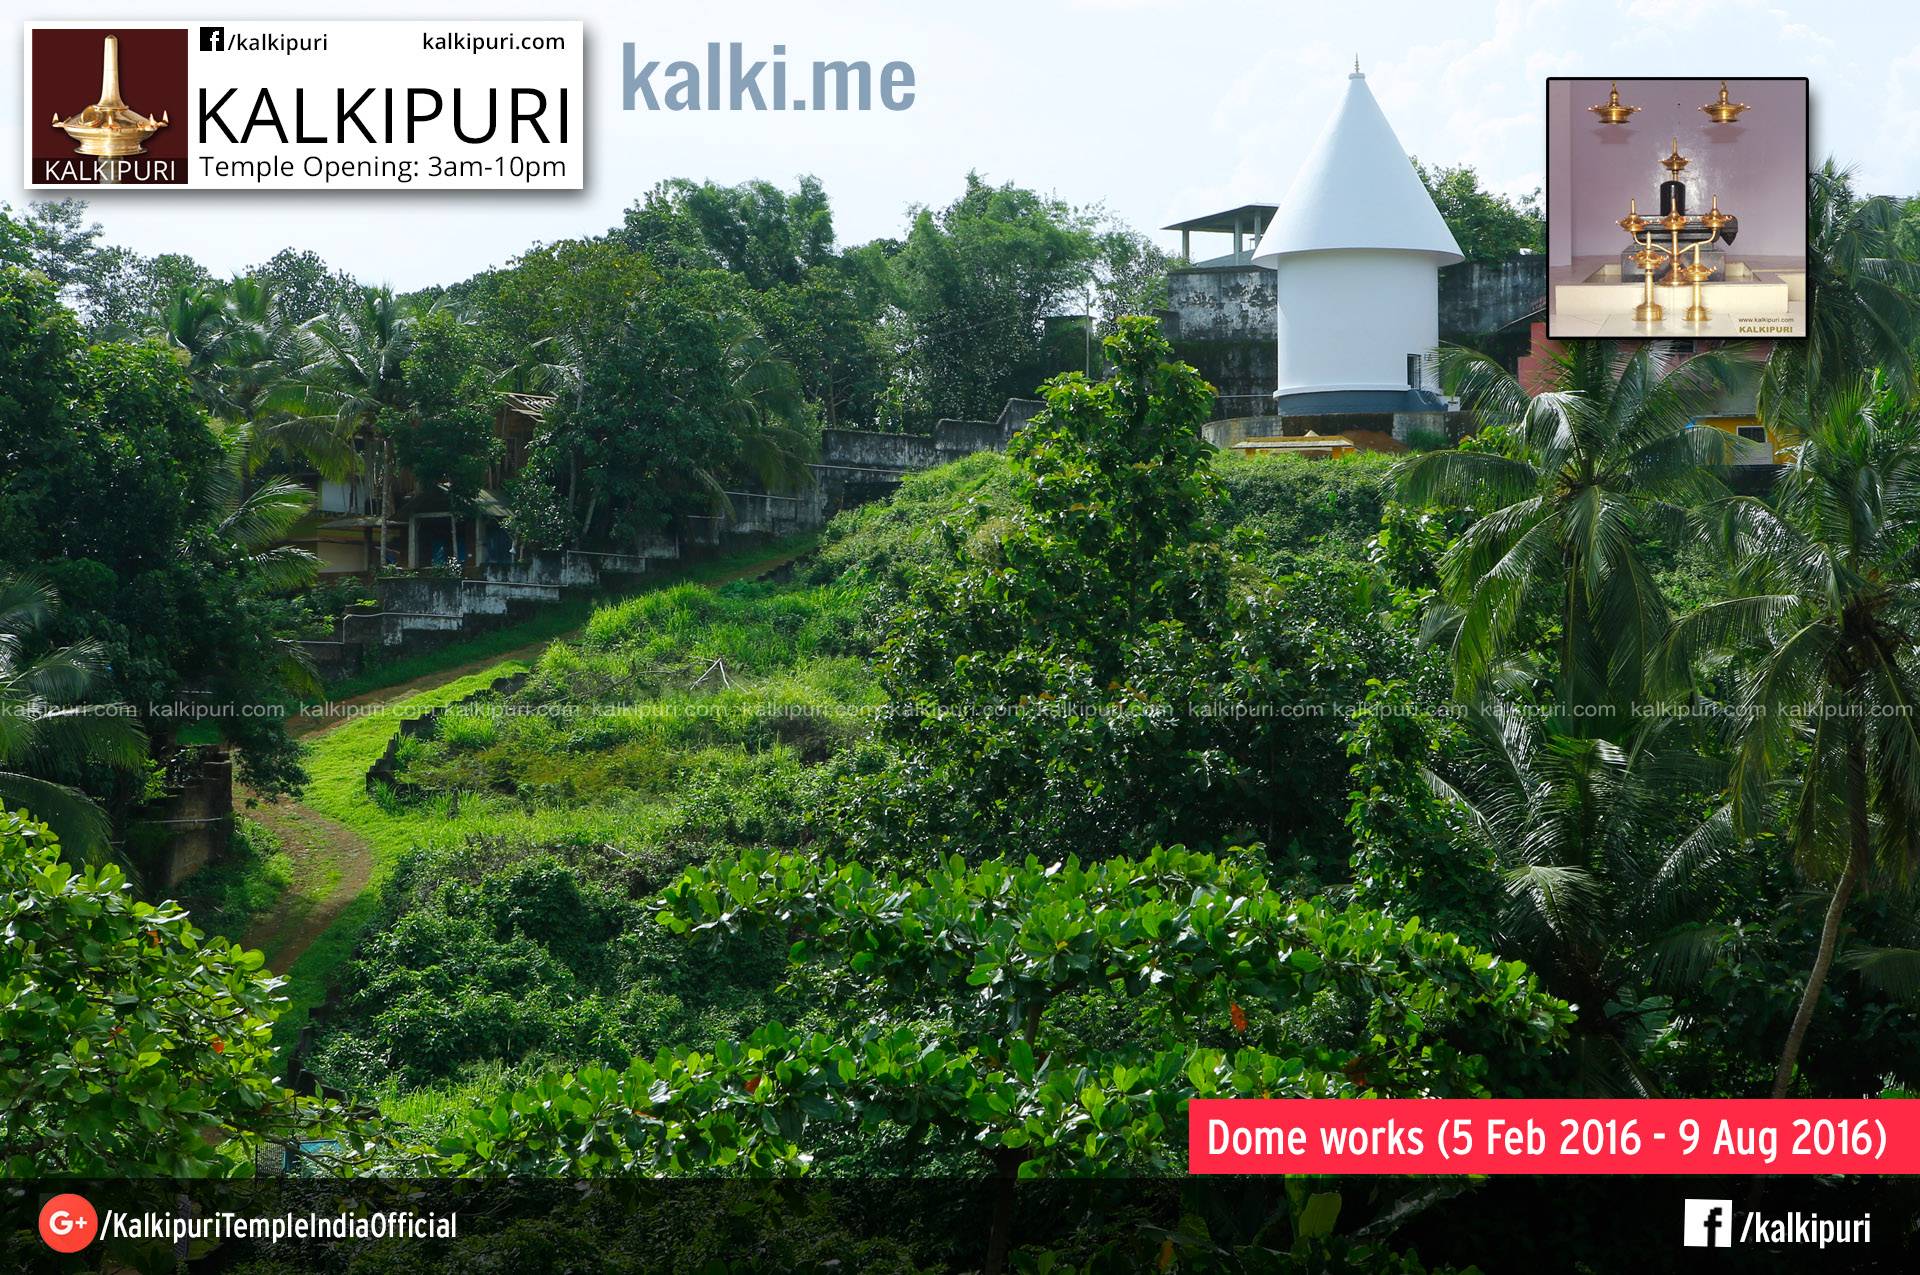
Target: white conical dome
1357 190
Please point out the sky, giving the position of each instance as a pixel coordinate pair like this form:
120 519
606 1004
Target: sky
1159 110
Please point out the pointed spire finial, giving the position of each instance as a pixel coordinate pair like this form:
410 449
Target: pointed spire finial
110 73
1356 69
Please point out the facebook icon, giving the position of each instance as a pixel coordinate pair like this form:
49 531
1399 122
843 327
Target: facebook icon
213 39
1708 1224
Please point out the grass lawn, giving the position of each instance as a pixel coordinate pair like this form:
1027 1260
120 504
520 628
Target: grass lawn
561 618
255 875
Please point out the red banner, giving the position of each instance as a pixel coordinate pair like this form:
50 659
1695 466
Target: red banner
1550 1135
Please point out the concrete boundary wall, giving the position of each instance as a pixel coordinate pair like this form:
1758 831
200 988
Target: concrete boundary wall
419 612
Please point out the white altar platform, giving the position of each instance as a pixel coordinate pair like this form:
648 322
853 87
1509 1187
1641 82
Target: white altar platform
1762 297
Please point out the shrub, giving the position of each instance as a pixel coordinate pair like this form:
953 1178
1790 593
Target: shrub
228 893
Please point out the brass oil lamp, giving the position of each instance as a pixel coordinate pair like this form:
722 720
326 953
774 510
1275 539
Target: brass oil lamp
1723 111
1667 264
1649 257
110 129
1611 111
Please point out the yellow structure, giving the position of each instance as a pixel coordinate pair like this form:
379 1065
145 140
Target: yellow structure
1309 445
1755 443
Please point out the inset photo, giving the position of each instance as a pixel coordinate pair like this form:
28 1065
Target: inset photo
1677 208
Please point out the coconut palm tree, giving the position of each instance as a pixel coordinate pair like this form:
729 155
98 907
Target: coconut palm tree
356 374
1824 603
1863 303
242 356
1600 460
254 523
766 411
47 725
1601 898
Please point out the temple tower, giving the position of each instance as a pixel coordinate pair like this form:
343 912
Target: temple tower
1356 248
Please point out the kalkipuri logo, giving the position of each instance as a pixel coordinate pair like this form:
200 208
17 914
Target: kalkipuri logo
1712 1224
731 79
111 97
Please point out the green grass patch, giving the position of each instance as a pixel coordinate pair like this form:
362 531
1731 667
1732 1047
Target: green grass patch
552 622
225 896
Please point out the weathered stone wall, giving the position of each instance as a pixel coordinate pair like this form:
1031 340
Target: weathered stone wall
1480 297
758 514
1017 412
1240 370
857 465
866 449
1221 303
954 439
1223 319
191 825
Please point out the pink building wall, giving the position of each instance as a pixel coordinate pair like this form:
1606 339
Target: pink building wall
1757 166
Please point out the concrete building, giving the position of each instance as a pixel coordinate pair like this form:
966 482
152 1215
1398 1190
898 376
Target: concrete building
343 530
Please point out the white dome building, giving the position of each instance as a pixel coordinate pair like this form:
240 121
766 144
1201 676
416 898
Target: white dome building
1356 248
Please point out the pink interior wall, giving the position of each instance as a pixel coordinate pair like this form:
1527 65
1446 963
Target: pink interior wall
1758 166
1559 229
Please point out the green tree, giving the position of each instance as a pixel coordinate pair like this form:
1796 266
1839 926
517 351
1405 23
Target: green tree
245 359
445 435
64 246
1863 303
1605 459
816 311
15 240
1093 669
665 390
974 283
356 376
755 229
129 1045
827 327
1602 897
1827 706
49 731
185 610
134 289
1487 226
1130 277
303 287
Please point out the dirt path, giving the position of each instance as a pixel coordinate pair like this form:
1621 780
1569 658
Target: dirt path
332 864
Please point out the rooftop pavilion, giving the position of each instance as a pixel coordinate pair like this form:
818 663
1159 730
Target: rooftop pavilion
1245 223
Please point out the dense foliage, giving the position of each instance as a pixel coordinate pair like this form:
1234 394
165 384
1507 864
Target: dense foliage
1058 789
1488 226
182 603
129 1046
